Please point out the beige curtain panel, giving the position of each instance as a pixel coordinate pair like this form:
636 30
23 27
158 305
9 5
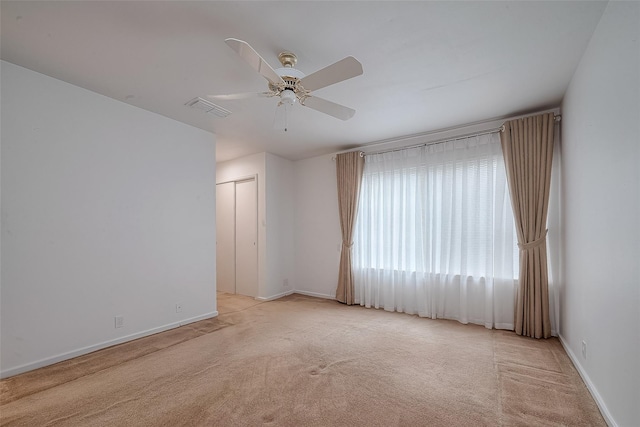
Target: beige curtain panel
349 168
527 146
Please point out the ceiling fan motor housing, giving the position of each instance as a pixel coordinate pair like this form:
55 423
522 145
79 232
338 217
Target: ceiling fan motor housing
292 87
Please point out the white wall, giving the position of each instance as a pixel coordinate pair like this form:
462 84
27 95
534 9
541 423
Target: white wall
317 227
600 298
107 210
280 229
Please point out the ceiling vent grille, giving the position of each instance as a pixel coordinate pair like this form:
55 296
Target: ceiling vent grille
208 107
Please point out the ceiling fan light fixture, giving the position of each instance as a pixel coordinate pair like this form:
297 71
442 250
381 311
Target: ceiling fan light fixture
288 96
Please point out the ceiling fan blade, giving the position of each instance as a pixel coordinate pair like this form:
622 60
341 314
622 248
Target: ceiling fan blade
247 53
342 70
331 108
246 95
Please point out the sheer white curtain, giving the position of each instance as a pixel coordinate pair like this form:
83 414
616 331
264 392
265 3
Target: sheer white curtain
435 234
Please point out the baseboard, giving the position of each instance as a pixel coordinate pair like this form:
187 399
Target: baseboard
272 297
90 349
314 294
592 388
284 294
502 326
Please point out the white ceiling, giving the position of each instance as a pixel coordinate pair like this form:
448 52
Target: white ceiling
427 65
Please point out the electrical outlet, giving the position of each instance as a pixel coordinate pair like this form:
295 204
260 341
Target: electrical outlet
119 321
584 349
178 308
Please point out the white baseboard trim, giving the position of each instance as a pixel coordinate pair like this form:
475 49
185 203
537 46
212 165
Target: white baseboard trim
90 349
592 388
315 294
272 297
501 326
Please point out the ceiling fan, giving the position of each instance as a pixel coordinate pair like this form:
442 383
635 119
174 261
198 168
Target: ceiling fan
291 84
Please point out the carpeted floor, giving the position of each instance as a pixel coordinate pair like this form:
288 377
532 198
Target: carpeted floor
302 361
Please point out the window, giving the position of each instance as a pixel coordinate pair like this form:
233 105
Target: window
435 234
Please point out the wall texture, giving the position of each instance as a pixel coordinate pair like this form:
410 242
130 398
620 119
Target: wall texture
317 227
280 231
600 297
107 210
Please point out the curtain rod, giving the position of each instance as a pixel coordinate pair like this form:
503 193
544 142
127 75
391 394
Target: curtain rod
438 141
556 118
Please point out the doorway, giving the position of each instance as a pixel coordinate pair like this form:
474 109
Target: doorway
237 237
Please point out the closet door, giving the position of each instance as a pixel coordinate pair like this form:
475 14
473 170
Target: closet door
246 238
226 237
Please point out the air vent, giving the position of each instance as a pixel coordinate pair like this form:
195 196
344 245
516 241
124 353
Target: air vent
208 107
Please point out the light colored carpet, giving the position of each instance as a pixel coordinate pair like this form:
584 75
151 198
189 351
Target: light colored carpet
305 361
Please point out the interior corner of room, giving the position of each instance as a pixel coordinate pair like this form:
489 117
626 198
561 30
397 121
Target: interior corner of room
119 222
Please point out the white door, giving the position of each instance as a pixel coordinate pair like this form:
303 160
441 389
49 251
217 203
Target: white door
226 237
246 238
